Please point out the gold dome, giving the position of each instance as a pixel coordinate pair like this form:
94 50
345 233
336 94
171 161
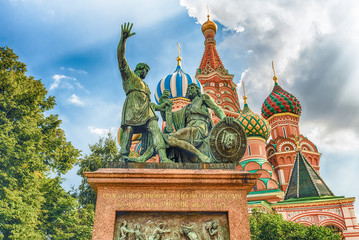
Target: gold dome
209 25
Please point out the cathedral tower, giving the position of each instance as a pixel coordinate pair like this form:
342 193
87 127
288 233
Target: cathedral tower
255 160
282 110
214 77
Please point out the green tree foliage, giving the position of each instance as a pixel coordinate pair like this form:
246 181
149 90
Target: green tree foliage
62 217
32 204
102 153
265 226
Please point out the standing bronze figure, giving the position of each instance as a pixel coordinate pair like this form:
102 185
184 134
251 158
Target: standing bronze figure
137 115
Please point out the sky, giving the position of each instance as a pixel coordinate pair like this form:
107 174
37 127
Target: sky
71 46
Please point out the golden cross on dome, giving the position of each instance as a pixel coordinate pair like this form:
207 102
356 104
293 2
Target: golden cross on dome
208 12
179 49
179 55
274 76
244 93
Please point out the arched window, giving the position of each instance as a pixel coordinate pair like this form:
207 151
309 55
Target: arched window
335 228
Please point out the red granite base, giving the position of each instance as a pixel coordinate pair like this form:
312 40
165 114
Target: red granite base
140 196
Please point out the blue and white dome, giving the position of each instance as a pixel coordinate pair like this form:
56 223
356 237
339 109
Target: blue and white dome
176 83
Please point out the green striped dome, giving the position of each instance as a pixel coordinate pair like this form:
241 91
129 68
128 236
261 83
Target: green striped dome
254 125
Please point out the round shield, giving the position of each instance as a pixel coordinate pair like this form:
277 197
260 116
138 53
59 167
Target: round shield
227 142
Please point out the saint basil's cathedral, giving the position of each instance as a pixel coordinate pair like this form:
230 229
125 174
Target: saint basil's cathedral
290 183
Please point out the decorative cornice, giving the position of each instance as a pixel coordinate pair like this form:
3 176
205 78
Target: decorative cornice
295 206
283 114
256 138
206 77
180 98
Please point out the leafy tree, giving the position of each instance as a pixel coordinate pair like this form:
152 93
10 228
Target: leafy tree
32 204
265 226
102 153
62 217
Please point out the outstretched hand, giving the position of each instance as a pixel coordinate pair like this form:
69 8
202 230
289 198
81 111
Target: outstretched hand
228 120
126 30
168 103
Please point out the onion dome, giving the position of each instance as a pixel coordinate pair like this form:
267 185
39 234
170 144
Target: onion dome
280 101
209 25
176 83
253 124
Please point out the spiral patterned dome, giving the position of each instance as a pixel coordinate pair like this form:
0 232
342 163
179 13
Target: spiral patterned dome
253 124
176 83
280 101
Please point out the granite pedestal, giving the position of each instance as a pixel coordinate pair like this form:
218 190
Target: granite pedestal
173 200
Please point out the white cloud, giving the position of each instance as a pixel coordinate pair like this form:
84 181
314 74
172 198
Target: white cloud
74 99
331 140
65 82
101 131
57 80
73 70
239 92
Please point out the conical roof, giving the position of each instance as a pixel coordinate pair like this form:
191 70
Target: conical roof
305 181
211 62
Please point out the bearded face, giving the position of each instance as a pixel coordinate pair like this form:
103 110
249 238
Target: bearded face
192 91
141 73
142 70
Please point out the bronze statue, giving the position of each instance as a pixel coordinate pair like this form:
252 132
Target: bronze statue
166 110
137 115
193 124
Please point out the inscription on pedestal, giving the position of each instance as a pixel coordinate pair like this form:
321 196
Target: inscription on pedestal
168 201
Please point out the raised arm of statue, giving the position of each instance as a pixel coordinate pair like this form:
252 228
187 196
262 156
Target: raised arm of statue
160 107
121 48
217 110
212 105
